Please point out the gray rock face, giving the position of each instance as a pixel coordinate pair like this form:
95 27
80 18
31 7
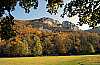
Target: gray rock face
51 25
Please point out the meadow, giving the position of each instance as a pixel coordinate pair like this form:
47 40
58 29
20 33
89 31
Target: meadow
52 60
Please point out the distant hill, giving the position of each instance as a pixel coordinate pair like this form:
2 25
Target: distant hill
97 29
51 25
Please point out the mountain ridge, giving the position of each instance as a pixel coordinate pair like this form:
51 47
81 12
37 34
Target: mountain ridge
97 30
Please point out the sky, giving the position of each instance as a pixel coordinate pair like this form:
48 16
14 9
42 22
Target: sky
41 11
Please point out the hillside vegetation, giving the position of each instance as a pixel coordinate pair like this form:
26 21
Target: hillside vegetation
31 41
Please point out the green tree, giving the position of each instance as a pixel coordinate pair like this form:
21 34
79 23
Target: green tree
92 41
46 46
88 11
6 29
37 49
10 5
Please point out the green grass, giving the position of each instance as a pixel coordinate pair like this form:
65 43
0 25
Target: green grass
52 60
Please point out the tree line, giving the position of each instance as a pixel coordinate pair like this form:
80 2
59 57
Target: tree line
30 41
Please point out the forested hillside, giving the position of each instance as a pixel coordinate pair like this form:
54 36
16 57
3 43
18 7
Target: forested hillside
31 41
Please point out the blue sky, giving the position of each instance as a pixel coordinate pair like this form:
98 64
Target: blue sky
41 12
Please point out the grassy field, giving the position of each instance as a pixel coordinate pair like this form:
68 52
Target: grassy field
52 60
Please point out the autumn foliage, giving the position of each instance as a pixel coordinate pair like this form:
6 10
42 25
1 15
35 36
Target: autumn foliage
31 41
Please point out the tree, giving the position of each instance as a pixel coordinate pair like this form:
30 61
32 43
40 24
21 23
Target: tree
46 46
60 43
37 49
6 29
10 5
88 11
73 43
92 41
